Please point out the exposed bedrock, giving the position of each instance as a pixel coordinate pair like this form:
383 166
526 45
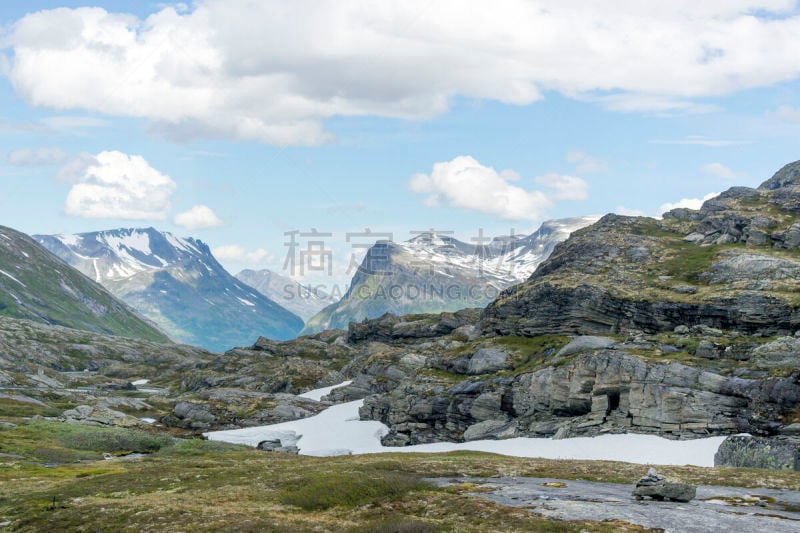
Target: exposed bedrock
591 393
591 310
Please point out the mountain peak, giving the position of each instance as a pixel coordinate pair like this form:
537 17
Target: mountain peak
788 176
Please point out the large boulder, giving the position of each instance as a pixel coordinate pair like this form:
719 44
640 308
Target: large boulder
99 416
758 452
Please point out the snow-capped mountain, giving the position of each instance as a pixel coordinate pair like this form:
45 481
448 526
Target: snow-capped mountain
301 300
178 284
433 273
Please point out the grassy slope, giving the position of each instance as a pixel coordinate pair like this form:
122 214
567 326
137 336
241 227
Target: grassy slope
50 291
207 486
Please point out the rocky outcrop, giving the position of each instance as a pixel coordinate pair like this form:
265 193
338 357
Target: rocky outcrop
220 409
595 392
593 310
722 266
390 327
746 451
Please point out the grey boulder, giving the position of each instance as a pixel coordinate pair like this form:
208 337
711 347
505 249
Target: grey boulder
746 451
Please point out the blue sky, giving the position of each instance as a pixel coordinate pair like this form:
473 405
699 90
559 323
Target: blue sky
299 116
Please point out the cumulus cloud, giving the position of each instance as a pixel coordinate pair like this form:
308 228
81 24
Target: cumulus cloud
690 203
465 183
237 254
117 185
38 157
274 71
719 170
565 187
198 217
585 163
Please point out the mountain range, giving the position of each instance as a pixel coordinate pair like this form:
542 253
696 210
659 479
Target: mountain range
177 284
433 273
301 300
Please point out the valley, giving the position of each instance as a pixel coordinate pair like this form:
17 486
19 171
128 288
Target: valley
638 340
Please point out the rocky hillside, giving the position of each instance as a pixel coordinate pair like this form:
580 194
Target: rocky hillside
682 327
178 284
301 300
432 273
116 381
36 285
733 265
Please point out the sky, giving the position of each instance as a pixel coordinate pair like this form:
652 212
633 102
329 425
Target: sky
239 122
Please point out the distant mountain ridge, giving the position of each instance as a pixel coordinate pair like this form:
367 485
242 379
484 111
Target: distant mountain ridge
301 300
36 285
433 273
178 284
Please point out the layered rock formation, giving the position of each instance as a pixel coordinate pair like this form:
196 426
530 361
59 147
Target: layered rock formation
730 265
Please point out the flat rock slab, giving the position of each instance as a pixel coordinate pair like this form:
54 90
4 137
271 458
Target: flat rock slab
588 500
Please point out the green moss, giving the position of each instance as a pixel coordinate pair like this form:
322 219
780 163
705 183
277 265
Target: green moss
531 353
350 489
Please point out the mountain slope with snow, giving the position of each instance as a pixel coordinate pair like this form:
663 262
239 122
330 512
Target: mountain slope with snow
301 300
37 286
432 273
178 284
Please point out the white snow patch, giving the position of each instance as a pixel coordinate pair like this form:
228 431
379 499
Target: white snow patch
69 240
136 240
317 394
338 431
148 420
246 302
3 272
140 382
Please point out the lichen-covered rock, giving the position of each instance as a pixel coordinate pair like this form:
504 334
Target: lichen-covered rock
99 416
491 429
756 452
585 343
782 352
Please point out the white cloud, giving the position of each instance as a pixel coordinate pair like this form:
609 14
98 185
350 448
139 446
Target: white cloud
237 254
74 169
786 114
690 203
719 170
38 157
273 71
198 217
585 163
565 187
622 210
467 184
117 185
